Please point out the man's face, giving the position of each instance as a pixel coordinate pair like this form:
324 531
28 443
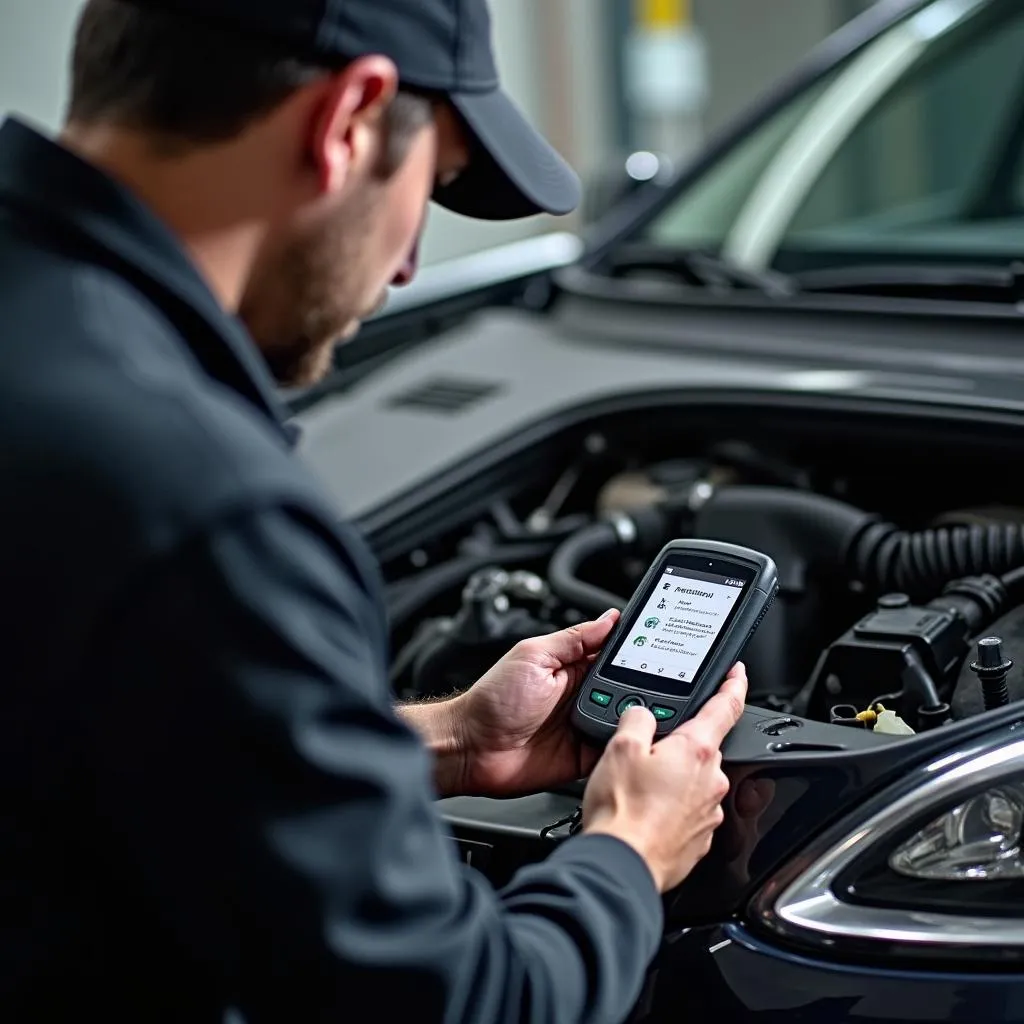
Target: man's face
328 268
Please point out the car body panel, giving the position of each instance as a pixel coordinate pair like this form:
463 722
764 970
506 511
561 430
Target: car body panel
536 372
814 791
724 973
743 973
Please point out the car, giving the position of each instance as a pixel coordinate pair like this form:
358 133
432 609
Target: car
808 341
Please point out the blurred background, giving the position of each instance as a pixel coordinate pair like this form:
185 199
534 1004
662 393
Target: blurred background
603 78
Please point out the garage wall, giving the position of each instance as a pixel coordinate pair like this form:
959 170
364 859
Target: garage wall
35 37
753 44
34 41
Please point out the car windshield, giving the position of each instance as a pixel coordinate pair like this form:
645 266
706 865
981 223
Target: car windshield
912 151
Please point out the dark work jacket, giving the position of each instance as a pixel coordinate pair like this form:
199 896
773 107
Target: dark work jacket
207 804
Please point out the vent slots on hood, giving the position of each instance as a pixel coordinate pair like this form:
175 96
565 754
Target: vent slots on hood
445 395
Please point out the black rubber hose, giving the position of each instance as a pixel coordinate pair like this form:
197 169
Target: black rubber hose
920 564
817 529
571 555
642 531
876 554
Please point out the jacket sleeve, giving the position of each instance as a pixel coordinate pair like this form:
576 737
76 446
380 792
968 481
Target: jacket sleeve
281 818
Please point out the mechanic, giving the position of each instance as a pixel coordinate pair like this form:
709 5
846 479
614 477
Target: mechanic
211 809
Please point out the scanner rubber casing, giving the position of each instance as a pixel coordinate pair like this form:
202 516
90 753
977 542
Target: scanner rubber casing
599 722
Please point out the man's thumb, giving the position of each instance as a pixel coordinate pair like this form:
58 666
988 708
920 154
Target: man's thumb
593 634
579 642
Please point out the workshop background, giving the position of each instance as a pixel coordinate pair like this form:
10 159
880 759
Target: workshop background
603 78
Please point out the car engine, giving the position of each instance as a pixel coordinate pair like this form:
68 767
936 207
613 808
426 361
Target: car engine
899 602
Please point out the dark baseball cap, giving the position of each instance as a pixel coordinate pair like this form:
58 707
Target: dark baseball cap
443 46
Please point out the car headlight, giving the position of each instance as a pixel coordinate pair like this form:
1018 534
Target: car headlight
978 840
938 868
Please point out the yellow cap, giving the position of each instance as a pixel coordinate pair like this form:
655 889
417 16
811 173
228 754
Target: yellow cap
655 14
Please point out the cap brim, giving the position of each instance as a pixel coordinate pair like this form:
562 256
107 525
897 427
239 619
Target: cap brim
514 171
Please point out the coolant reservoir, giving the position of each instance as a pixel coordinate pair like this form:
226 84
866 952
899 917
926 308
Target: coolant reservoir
891 723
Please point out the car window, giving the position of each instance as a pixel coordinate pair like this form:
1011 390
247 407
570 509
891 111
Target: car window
704 215
929 167
935 168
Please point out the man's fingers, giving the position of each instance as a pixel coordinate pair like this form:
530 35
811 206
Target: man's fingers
737 672
735 687
594 634
718 717
638 725
725 709
577 643
735 684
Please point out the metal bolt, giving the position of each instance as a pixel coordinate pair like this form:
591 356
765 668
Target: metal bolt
991 668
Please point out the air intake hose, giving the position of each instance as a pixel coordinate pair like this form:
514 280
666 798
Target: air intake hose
643 530
800 528
786 524
919 564
876 554
563 570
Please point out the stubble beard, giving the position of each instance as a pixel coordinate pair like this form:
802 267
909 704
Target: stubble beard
313 300
307 302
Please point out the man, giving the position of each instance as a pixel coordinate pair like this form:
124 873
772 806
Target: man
210 806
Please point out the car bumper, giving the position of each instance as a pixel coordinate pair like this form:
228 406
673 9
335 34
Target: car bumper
721 974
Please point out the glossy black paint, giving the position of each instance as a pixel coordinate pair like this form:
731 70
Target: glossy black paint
787 789
725 975
712 970
1002 730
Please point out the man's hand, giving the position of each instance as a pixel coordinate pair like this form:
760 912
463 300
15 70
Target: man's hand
511 729
665 799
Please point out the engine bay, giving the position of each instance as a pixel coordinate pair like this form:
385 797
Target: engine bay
899 541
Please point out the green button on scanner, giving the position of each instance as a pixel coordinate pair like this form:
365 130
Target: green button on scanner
626 703
663 714
600 697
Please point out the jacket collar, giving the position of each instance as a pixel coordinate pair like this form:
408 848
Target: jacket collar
80 204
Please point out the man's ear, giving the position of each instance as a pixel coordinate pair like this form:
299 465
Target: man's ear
345 123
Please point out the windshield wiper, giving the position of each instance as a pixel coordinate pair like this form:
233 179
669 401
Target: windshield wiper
1000 285
696 268
955 283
